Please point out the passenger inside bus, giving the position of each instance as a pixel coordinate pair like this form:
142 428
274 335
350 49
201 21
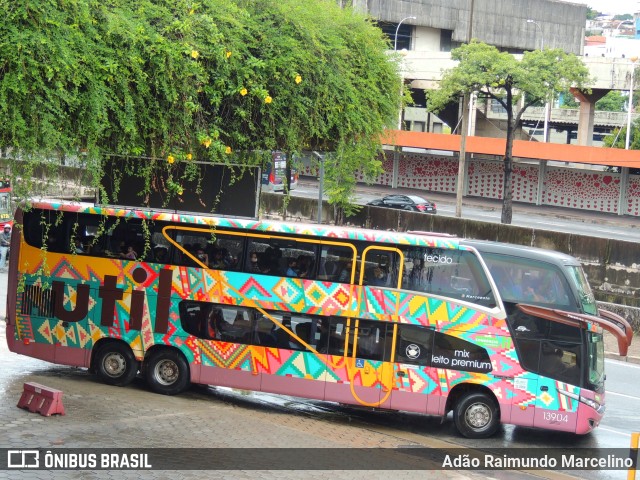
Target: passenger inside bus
252 264
214 324
218 259
202 256
160 255
305 264
79 248
303 332
282 336
345 271
292 267
130 253
377 276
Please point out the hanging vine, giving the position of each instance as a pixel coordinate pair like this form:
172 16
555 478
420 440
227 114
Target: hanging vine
162 85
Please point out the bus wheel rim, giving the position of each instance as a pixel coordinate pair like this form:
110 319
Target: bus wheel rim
167 372
478 415
114 364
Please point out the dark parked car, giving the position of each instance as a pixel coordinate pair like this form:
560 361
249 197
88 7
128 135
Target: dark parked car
405 202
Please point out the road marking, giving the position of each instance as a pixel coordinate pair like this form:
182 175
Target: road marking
621 363
623 395
611 430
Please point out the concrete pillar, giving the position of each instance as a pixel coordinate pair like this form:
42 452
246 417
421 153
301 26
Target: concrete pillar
624 183
396 166
587 113
473 114
542 173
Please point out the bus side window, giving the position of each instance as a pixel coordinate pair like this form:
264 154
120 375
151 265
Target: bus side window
560 362
332 335
414 344
372 337
236 325
192 317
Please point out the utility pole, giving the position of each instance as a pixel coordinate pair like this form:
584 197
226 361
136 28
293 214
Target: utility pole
463 134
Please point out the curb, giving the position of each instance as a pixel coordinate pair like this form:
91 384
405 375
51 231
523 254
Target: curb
628 358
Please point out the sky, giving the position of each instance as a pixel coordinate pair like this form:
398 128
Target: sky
614 7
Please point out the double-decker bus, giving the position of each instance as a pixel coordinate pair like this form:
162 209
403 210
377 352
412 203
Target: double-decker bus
380 319
6 211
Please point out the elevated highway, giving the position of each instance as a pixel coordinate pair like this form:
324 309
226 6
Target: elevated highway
423 70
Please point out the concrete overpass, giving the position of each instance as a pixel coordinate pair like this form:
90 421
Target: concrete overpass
423 70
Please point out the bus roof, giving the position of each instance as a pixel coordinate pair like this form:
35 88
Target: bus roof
522 251
329 232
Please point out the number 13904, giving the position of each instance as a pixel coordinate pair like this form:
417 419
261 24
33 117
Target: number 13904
556 417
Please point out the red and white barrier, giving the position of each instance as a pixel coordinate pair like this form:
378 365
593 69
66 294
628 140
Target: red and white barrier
41 399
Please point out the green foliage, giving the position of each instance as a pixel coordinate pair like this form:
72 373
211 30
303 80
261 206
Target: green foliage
613 101
569 101
539 75
340 180
618 138
592 14
209 80
536 77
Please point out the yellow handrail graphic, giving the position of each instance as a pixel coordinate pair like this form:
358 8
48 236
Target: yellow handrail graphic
635 437
384 374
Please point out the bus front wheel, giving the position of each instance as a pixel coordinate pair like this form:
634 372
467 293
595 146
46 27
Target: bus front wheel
476 415
116 364
167 372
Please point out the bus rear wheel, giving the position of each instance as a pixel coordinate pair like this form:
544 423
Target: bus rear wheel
476 415
167 372
116 364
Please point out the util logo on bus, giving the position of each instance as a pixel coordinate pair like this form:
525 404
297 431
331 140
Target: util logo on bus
110 293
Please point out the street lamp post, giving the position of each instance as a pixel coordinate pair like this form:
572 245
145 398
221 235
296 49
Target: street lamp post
547 107
630 108
395 47
466 117
541 35
396 153
395 42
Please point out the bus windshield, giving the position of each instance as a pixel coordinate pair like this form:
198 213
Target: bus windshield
523 280
595 352
587 299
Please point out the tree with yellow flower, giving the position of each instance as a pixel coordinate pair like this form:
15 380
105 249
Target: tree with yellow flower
219 80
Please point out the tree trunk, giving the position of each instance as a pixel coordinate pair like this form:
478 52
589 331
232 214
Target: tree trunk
507 190
286 187
338 214
286 181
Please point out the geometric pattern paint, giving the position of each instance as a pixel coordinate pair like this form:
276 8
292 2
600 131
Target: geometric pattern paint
305 296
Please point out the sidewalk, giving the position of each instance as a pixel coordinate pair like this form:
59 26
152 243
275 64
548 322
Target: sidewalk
611 349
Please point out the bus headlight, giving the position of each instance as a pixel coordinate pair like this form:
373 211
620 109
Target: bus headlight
587 401
592 403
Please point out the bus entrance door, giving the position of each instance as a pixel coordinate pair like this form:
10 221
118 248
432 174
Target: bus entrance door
364 362
371 341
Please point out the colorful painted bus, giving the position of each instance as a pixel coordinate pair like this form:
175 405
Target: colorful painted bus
380 319
6 210
275 171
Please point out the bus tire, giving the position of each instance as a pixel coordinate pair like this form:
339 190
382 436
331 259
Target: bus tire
116 364
167 372
476 415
